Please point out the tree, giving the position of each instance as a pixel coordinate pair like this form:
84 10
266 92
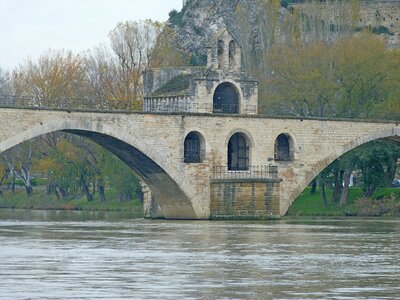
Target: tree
122 179
4 173
375 163
55 75
353 77
19 164
5 83
367 74
378 162
116 75
73 170
132 43
303 80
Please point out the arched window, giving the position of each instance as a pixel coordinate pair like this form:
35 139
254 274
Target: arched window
232 54
283 148
226 99
238 152
220 54
193 148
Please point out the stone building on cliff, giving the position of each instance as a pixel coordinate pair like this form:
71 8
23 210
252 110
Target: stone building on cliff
220 87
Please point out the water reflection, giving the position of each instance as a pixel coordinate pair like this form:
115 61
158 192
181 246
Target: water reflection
62 255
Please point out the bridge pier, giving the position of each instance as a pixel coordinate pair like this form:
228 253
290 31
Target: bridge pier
245 199
231 199
151 209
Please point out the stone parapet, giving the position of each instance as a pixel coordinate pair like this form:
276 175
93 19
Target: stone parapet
169 104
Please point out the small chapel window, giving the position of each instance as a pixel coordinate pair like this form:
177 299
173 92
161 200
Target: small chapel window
283 148
220 54
232 55
193 148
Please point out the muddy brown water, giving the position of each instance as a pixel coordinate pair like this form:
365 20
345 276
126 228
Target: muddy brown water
81 255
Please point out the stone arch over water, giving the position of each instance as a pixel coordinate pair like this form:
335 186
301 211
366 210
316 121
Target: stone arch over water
392 135
164 181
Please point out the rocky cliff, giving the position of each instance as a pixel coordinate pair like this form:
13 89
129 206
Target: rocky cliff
199 19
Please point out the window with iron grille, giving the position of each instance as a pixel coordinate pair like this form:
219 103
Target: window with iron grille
238 153
192 148
282 148
226 99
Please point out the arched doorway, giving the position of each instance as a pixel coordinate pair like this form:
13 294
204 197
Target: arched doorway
226 99
283 148
238 152
193 148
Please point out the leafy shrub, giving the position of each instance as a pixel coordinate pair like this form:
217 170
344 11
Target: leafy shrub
388 206
376 30
38 181
381 30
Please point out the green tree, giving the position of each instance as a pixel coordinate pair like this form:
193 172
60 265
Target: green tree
302 81
378 162
353 77
122 179
367 74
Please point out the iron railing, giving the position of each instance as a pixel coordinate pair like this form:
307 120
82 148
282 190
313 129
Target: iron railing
234 109
252 172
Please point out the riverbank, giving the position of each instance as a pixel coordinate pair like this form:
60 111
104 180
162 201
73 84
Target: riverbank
384 202
41 201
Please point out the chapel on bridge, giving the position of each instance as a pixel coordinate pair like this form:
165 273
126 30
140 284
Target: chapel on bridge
220 87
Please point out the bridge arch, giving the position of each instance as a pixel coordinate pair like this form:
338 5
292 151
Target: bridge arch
164 180
391 134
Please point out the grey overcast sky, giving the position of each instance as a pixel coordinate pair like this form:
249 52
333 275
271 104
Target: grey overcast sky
30 27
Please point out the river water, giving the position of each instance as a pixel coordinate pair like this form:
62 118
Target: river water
77 255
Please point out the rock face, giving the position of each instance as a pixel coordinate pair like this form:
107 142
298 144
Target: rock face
381 15
201 19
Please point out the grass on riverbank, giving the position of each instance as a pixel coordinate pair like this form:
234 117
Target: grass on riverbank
40 200
384 202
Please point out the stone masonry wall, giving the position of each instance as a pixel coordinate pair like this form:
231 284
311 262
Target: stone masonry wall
160 137
246 199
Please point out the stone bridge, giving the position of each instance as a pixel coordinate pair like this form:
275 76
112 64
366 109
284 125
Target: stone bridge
201 166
